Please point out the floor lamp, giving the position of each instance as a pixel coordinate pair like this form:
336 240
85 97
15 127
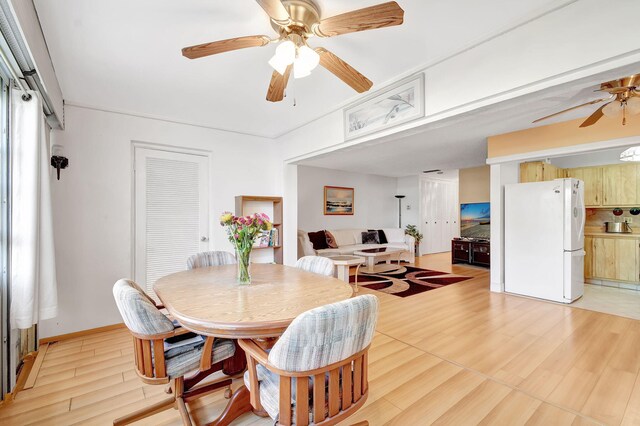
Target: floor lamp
400 197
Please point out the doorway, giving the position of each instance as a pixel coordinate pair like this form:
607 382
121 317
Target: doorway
171 203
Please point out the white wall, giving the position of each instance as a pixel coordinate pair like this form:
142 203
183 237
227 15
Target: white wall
92 203
409 186
374 203
501 175
544 52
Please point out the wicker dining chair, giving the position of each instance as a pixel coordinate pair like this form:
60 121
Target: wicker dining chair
317 372
316 264
210 258
158 365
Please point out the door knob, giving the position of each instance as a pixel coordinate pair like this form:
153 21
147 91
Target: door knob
203 239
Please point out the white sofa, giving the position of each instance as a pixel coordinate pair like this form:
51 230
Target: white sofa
350 240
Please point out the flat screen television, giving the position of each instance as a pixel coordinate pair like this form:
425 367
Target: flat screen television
475 220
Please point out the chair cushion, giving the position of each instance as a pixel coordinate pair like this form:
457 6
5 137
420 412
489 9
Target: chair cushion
138 310
316 264
187 358
319 240
270 392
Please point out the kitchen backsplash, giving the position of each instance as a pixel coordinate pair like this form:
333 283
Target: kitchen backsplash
597 217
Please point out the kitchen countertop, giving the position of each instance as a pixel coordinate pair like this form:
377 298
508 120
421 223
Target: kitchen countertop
611 234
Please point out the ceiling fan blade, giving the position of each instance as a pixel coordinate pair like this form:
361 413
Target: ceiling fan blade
614 90
221 46
593 118
278 83
610 85
343 71
369 18
276 11
571 109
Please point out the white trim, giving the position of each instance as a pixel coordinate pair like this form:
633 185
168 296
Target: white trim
566 150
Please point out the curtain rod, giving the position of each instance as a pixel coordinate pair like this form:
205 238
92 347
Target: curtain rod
26 96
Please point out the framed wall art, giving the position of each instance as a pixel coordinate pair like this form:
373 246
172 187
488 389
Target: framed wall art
397 104
338 200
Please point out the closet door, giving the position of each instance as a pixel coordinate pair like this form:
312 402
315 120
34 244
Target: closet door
171 212
440 214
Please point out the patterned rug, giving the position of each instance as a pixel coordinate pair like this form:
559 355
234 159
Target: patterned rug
406 281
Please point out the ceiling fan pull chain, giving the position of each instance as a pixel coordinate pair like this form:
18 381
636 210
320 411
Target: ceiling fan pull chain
292 87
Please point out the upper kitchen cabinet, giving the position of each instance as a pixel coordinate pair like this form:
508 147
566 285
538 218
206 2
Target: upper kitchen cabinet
538 171
620 185
592 178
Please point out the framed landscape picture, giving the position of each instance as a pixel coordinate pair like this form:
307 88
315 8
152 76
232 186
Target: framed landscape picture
397 104
338 200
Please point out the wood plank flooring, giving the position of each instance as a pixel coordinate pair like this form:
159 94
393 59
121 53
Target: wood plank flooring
457 355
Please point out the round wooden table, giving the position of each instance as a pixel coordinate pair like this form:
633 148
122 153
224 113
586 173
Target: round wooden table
209 301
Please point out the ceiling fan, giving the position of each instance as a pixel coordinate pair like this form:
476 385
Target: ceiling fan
623 100
296 21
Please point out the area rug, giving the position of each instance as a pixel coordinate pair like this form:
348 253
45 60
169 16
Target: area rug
404 281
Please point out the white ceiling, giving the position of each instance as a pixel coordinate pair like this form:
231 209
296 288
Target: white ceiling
461 142
124 55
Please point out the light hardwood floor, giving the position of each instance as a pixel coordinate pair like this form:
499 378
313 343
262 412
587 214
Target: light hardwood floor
457 355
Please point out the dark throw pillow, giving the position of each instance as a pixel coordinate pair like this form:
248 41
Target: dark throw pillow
318 240
381 236
331 241
370 237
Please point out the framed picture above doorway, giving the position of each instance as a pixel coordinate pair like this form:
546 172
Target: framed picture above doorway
338 200
396 104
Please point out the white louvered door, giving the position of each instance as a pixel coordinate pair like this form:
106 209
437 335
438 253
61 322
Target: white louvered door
171 212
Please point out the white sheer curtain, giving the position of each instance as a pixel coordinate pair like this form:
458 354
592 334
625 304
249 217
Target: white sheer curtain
33 271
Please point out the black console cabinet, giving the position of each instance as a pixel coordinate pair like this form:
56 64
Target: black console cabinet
471 252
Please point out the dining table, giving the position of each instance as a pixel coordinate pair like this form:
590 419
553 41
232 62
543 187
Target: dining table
209 301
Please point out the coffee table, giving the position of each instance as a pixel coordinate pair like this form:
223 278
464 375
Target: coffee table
375 255
342 264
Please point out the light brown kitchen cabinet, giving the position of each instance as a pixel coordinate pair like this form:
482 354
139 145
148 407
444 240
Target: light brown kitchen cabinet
592 178
627 260
588 257
612 258
538 171
620 185
604 265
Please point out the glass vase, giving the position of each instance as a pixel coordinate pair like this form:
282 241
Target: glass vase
244 266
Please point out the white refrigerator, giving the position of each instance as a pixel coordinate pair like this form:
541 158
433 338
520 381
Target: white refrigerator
544 239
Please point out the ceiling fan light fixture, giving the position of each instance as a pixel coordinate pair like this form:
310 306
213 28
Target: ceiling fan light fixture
613 109
299 70
633 105
306 60
309 57
631 154
284 56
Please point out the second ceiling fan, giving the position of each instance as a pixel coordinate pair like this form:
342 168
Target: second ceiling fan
296 21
